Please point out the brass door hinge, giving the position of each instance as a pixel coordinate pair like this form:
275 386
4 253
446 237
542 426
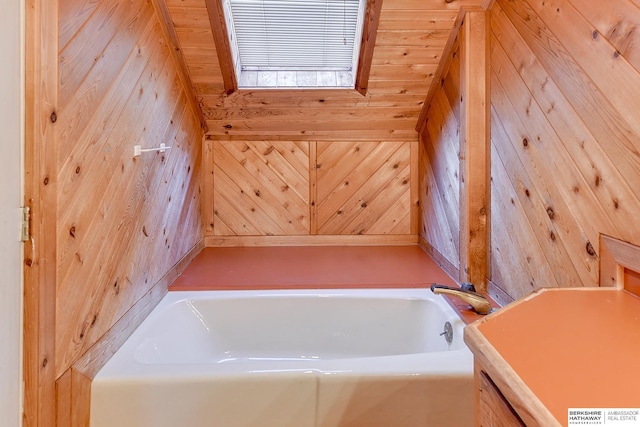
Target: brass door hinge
25 236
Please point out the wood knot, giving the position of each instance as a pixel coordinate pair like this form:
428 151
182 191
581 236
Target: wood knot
268 150
551 213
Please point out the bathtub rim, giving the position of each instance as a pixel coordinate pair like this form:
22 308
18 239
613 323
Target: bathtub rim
122 365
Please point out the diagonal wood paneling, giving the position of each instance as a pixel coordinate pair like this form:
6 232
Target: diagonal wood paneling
123 222
363 188
440 167
261 188
565 138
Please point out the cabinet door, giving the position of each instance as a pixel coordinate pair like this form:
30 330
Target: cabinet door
493 410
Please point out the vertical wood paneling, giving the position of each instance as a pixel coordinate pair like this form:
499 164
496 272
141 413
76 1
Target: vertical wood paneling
123 221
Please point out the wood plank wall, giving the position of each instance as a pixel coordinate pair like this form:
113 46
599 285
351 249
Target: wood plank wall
122 222
359 197
411 35
564 143
440 169
566 140
300 190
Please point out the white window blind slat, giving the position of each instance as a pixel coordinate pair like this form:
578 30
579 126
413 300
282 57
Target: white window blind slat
295 34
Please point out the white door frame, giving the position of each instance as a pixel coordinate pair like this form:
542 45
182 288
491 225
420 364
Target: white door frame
11 173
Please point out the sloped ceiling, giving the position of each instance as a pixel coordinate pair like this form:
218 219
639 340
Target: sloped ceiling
409 44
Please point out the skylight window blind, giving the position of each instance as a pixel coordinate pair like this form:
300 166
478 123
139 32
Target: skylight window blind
295 34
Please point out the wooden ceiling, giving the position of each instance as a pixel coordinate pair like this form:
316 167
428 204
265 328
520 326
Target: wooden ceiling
411 37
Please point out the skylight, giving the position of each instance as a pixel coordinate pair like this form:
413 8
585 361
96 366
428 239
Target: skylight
295 43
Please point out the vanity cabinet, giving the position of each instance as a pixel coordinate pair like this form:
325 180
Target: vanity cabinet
553 351
492 408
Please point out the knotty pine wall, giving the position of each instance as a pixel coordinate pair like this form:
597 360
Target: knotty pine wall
301 190
309 166
565 135
440 169
123 222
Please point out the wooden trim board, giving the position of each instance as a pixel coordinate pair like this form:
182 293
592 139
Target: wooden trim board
474 149
369 33
160 7
223 48
311 240
41 165
617 256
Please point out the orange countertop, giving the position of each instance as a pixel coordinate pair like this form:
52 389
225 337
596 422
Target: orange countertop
572 348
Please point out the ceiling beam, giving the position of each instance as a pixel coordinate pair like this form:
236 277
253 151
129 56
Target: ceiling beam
369 33
223 47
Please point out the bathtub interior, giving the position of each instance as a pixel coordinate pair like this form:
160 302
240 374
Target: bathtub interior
284 359
293 328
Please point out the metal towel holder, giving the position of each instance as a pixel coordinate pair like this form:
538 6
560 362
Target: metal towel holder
137 149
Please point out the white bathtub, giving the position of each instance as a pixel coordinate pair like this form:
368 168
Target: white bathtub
300 358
